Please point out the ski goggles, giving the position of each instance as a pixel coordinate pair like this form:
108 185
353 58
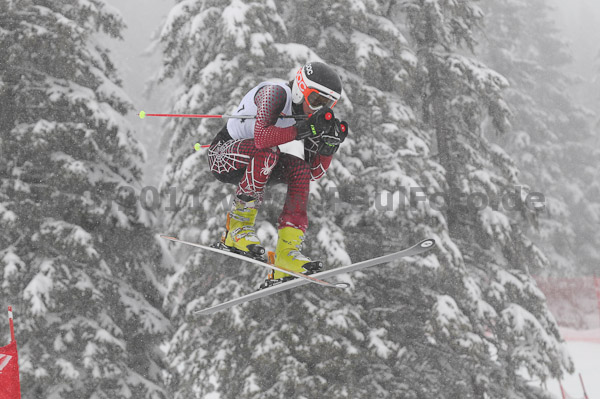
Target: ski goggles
316 99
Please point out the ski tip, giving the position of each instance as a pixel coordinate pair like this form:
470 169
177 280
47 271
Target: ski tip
169 237
430 242
142 114
205 312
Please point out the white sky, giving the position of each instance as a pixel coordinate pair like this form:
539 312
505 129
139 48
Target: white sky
136 65
579 19
143 18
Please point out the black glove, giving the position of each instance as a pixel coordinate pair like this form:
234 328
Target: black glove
331 140
316 124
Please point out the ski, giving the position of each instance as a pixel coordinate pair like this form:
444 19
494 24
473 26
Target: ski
307 278
416 249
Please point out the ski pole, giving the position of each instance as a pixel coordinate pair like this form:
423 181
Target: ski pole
143 114
198 146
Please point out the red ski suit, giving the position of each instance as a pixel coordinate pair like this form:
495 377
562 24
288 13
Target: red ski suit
252 163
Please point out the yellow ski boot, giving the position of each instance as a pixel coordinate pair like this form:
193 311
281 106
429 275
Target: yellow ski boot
288 256
240 236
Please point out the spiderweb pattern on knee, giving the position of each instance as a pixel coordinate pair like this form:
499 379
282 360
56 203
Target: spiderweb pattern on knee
227 156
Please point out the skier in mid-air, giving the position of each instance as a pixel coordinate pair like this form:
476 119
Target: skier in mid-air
269 149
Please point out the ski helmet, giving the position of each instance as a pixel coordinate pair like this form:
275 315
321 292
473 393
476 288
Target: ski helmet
318 84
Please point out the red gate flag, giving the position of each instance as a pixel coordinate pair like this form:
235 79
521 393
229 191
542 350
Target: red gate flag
10 387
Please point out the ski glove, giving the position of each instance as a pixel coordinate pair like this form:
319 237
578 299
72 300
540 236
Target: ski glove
316 124
331 140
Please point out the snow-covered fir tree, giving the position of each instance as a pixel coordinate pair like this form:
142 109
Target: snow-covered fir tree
77 257
552 137
462 322
485 300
